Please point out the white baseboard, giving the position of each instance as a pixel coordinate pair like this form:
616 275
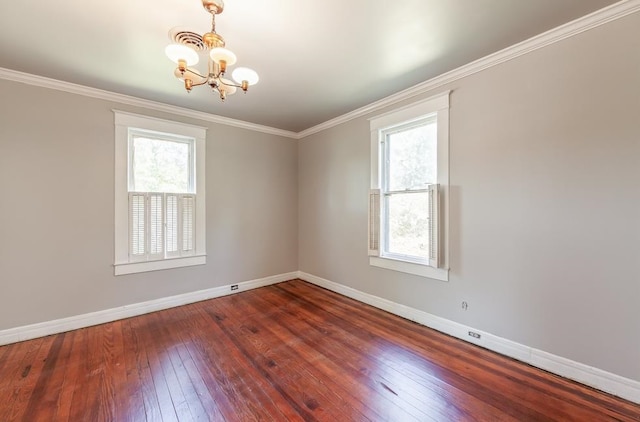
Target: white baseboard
602 380
27 332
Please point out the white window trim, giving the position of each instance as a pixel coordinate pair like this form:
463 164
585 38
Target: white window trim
123 122
437 104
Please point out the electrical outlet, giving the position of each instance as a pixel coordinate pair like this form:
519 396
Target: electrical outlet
234 287
474 334
465 305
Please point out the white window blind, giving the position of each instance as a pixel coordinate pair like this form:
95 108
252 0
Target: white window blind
172 225
156 225
170 219
137 218
188 207
434 233
374 222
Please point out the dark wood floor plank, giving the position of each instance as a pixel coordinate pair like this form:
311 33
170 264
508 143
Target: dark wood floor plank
71 373
16 365
132 408
90 401
283 366
232 361
111 375
167 357
511 377
423 369
286 352
468 365
142 381
381 403
214 368
5 353
201 392
29 373
203 374
79 407
46 396
367 368
117 392
382 360
150 336
171 325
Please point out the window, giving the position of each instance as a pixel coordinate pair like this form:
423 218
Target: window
160 196
408 201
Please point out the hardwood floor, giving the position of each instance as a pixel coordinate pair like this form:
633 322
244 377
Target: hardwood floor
290 351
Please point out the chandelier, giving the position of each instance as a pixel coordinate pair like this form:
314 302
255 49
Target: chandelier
185 52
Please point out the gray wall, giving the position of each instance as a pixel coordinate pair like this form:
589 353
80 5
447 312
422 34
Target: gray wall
545 209
57 211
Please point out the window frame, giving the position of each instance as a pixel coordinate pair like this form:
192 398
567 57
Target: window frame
127 124
380 125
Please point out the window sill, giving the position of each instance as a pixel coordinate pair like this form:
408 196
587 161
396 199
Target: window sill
165 264
410 268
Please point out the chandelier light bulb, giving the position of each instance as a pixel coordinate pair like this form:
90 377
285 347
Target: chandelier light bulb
220 54
241 74
179 52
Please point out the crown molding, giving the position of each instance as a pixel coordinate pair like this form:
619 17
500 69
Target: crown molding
570 29
41 81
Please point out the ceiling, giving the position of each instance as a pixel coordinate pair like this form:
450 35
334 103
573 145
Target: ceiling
316 60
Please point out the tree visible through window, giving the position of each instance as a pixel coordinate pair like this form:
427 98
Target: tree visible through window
161 165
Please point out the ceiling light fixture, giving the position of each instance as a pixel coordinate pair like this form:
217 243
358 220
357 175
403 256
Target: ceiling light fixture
184 51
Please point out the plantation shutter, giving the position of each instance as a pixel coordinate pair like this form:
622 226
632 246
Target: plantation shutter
188 224
156 225
374 222
434 234
172 224
161 225
137 220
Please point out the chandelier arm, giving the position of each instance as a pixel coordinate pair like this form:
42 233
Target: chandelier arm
194 73
201 83
234 85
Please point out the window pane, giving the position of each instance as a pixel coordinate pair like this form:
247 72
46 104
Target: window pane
408 224
412 157
160 165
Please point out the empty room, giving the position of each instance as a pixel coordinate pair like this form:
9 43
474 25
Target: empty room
421 210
